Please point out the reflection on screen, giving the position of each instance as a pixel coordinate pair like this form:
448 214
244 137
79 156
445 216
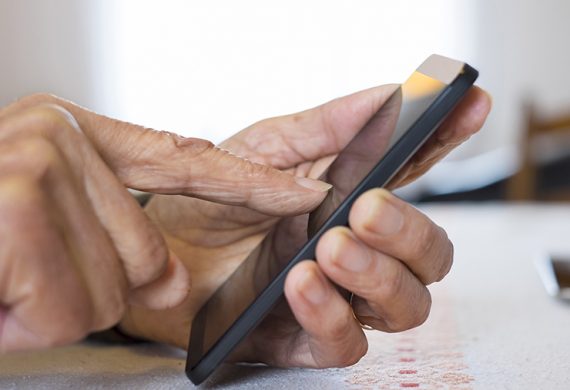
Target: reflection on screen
346 171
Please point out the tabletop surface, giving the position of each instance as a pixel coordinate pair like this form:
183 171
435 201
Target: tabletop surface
492 326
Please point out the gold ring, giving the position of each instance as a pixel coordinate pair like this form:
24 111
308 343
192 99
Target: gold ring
363 326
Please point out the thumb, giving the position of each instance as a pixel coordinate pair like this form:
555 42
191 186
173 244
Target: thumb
166 163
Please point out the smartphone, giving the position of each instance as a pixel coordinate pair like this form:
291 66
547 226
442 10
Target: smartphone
373 156
554 270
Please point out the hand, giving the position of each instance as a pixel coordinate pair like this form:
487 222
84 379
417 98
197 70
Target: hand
75 247
386 258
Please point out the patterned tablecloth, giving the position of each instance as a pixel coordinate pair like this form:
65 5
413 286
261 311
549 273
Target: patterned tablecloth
492 326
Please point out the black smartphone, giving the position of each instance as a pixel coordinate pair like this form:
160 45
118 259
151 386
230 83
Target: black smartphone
374 155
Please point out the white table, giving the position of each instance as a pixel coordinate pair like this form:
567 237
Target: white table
492 326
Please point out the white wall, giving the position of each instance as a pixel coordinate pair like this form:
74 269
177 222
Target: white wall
211 68
48 46
523 52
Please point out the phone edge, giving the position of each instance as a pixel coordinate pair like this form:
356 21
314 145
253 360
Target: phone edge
261 306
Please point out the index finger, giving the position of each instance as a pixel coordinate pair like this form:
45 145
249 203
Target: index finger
166 163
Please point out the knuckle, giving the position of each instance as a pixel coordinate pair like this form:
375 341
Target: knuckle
339 330
196 149
50 119
38 156
418 318
415 316
424 242
31 160
21 201
426 246
254 171
36 98
194 146
446 259
392 282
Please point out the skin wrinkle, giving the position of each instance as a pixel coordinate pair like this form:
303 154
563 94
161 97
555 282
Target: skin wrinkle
435 250
199 155
291 148
210 213
90 190
26 293
325 119
67 235
289 143
294 350
299 350
184 237
424 244
60 227
241 251
270 157
443 252
329 116
341 360
451 256
49 124
311 349
257 145
288 331
8 274
380 313
344 115
378 308
78 164
294 342
291 350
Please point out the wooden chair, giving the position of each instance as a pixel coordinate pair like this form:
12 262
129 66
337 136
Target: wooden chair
526 184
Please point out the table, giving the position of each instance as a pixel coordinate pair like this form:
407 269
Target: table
492 326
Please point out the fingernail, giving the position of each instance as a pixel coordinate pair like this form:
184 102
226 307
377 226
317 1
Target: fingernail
312 288
315 185
385 218
357 261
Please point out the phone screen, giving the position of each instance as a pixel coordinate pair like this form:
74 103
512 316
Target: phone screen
345 172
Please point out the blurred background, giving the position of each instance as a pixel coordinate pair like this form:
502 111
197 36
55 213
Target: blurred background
209 69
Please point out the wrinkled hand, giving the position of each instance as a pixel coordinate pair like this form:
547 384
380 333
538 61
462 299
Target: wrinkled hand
75 247
386 258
